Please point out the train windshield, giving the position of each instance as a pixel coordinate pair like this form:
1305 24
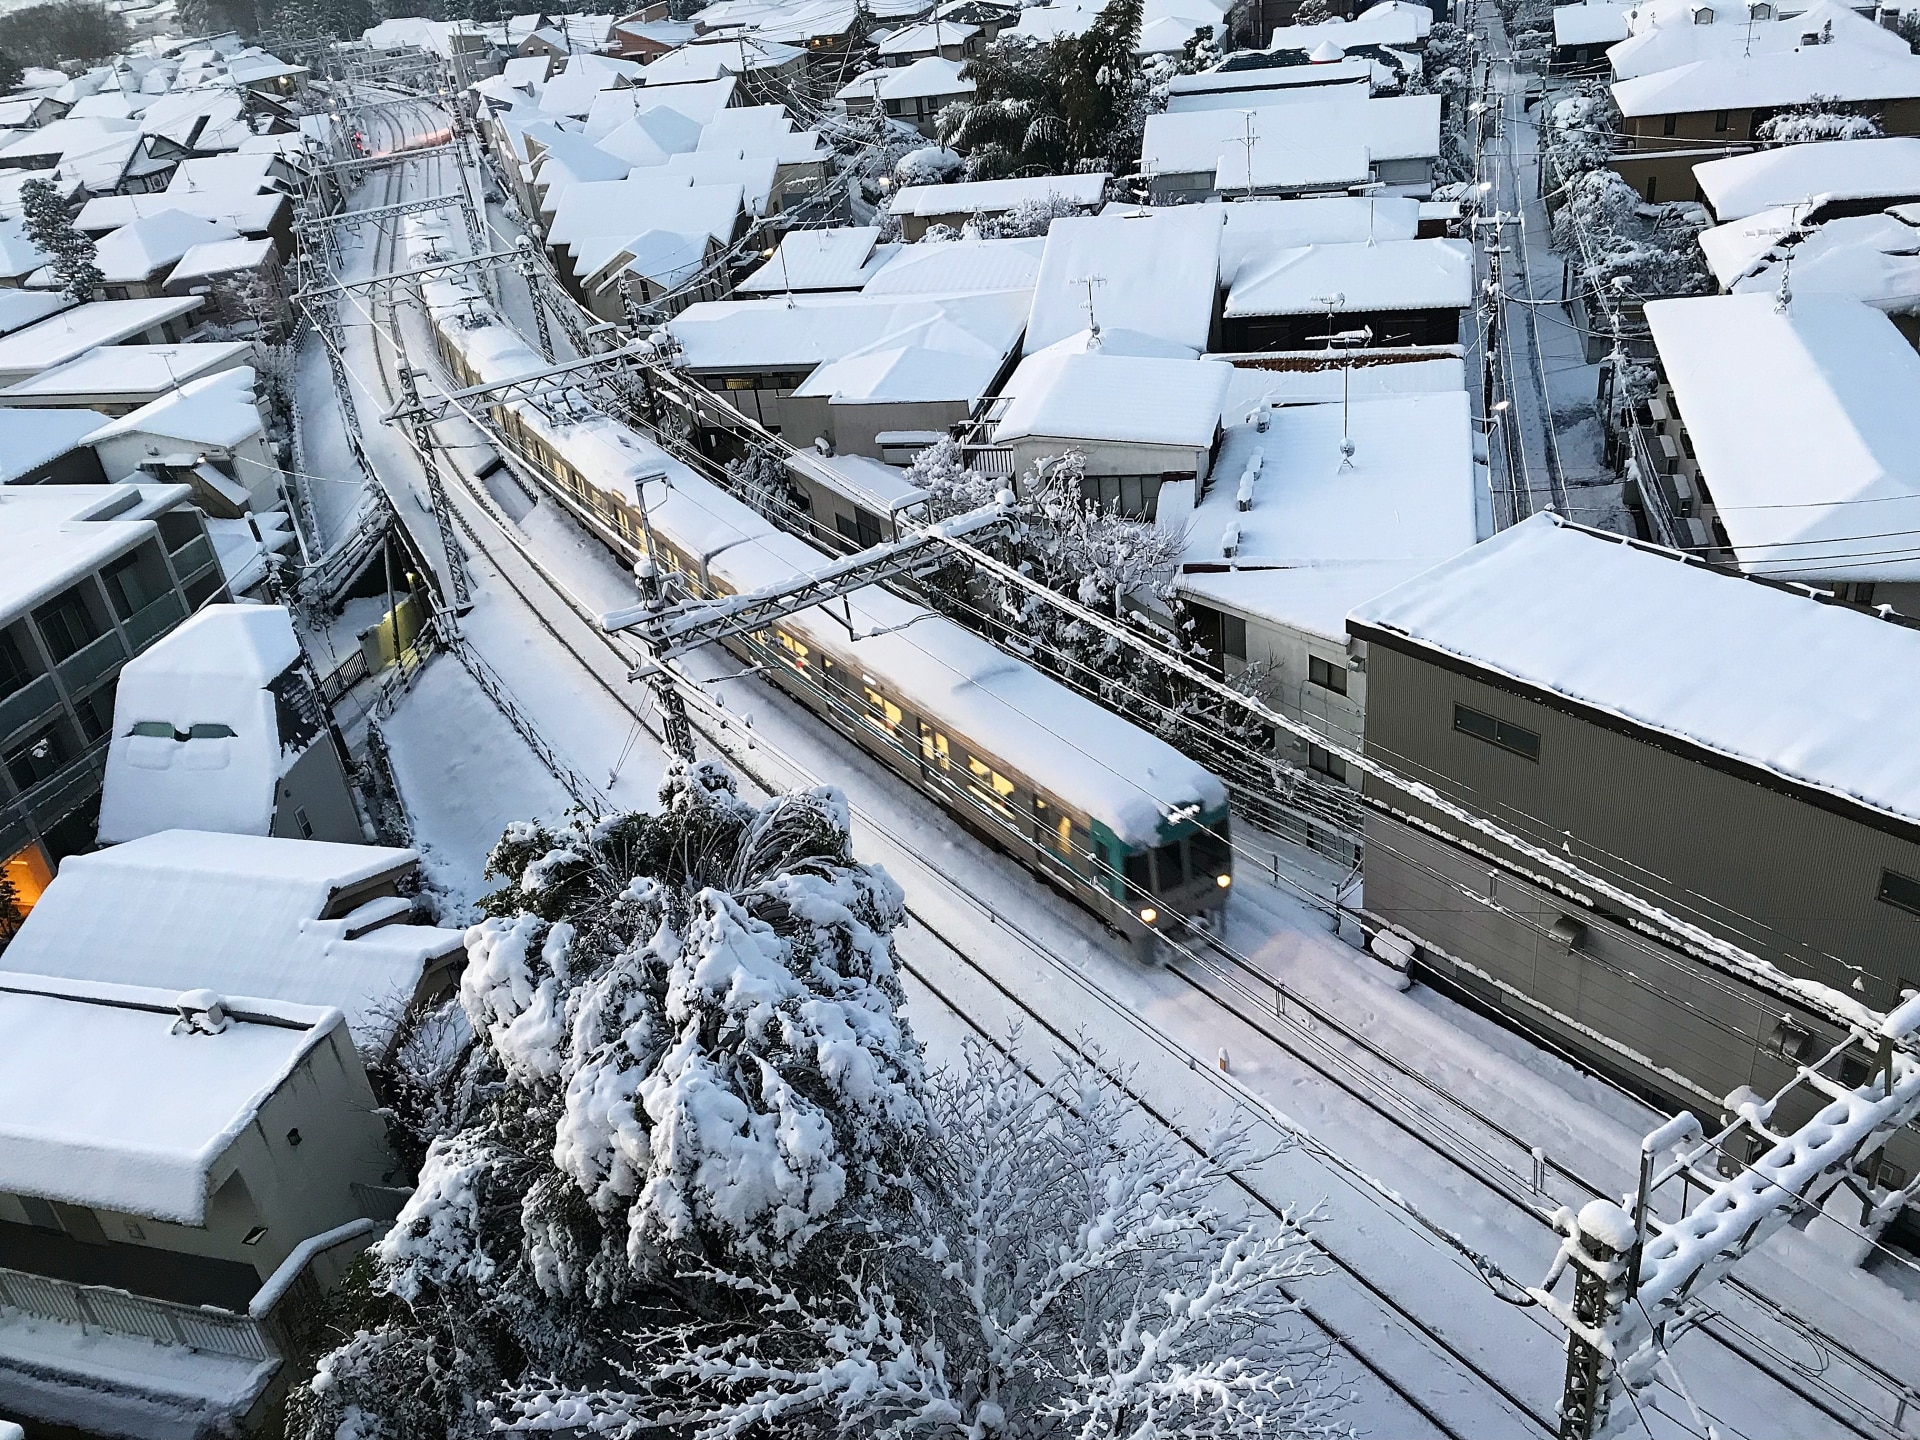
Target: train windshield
1211 851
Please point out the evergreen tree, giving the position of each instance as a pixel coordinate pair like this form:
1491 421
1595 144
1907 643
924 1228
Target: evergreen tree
69 250
82 30
1095 73
10 72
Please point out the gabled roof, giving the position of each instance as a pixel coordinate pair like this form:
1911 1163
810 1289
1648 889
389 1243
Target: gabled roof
219 257
215 410
924 36
1795 77
775 334
1154 273
18 254
30 438
1356 277
1810 175
20 308
1088 395
141 249
837 259
959 267
970 196
1257 230
928 77
711 60
248 210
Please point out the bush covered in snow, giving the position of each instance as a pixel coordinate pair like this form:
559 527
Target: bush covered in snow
1821 118
928 165
1627 249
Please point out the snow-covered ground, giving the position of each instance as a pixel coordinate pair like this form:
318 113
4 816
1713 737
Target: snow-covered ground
991 947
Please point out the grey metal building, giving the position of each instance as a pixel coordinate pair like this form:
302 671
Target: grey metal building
90 575
1739 752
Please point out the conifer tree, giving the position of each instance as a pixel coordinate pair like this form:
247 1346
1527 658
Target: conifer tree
68 250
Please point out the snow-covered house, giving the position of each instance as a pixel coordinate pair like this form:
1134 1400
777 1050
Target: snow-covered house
136 259
1775 481
1288 78
960 267
21 308
19 256
219 727
187 1171
303 921
49 447
707 58
851 367
1675 723
1292 531
1871 258
1139 423
914 94
118 379
920 207
89 576
1300 148
72 333
949 39
208 434
1391 294
809 260
239 279
1816 181
241 207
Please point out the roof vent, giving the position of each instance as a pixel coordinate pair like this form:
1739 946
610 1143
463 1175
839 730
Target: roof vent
1230 541
202 1012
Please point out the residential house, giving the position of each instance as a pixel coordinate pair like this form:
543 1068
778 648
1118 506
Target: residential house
72 333
920 207
1299 148
118 379
20 308
913 94
923 39
19 256
89 577
183 1175
1667 726
1816 181
136 260
219 727
1871 258
1144 282
1776 486
239 280
811 260
1386 295
209 435
49 447
244 208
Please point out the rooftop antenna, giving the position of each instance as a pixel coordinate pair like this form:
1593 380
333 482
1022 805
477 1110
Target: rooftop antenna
1783 298
1252 135
1093 323
1333 302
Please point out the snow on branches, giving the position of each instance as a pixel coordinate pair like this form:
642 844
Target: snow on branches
1821 118
1630 250
1063 1269
69 250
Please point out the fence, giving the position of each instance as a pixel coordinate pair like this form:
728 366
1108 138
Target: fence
123 1313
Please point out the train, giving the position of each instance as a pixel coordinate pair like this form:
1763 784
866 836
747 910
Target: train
1097 807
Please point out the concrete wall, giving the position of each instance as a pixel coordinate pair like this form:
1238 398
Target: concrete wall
316 786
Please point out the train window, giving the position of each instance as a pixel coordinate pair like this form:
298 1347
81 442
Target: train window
1170 861
1327 674
1524 743
1053 831
1900 891
933 747
997 786
795 653
1211 852
882 713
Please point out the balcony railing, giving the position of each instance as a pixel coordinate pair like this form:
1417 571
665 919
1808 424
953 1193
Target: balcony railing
51 800
27 704
193 557
91 661
124 1313
154 619
1664 528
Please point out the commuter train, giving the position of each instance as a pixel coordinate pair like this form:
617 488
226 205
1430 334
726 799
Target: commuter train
1096 806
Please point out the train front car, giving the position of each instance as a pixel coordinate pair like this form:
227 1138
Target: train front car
1170 872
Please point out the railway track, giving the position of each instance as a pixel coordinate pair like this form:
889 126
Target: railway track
1378 1093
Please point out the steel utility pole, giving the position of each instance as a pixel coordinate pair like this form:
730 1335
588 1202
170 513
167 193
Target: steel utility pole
525 264
425 444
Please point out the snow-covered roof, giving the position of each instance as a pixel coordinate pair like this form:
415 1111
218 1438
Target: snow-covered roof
895 374
212 672
1255 389
21 308
1152 273
753 174
219 257
1794 77
1257 230
1594 23
1354 277
1089 395
246 209
142 249
924 36
1319 536
1872 258
18 254
50 536
645 200
128 370
838 259
66 137
568 159
710 60
30 438
573 94
1391 22
992 196
1348 70
227 172
1810 175
876 485
215 410
1399 127
648 137
959 267
103 1105
926 78
75 331
774 334
1705 657
526 70
238 914
1663 35
1805 428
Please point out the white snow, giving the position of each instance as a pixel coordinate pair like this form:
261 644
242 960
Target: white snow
991 196
215 410
127 375
76 331
1403 127
103 1104
1804 426
1739 187
1256 230
1723 662
219 257
30 438
1356 276
775 334
1150 272
1773 79
1091 395
836 259
959 267
138 251
930 77
238 913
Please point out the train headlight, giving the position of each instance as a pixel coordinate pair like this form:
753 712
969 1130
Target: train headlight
1148 914
1223 881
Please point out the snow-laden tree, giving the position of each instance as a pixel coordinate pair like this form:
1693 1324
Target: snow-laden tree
1065 1270
1627 249
1821 118
69 250
928 165
1028 219
1578 132
688 1059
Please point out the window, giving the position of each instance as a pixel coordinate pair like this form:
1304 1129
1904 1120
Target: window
1211 851
1653 187
1900 891
1170 864
1523 743
1139 875
135 580
991 785
1325 762
862 527
67 622
1669 125
933 747
882 713
1720 119
792 651
1233 636
39 756
306 833
1327 674
1053 831
15 672
96 711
